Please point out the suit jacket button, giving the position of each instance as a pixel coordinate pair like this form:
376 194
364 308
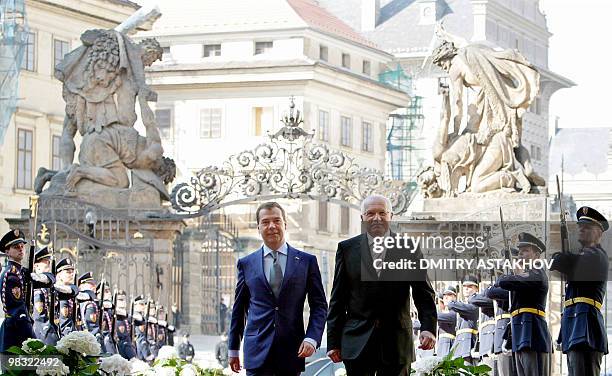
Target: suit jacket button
276 308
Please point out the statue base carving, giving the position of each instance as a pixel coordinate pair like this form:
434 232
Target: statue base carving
139 196
485 207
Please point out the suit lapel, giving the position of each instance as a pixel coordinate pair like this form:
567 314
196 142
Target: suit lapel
292 263
262 274
367 262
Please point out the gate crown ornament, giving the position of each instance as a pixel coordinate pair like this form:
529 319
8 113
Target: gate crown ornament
288 166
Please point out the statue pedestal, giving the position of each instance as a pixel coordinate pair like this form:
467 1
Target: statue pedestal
485 207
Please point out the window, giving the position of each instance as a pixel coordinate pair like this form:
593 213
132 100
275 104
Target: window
60 48
366 137
346 61
323 125
262 47
212 50
29 56
210 123
323 215
163 117
345 220
56 161
323 52
24 159
366 68
345 131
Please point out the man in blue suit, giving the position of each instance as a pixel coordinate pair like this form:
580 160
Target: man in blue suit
273 284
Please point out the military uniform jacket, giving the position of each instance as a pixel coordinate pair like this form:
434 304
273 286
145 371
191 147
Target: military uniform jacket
582 324
502 317
125 347
17 326
467 328
447 322
142 345
486 324
66 304
529 330
89 313
43 328
186 350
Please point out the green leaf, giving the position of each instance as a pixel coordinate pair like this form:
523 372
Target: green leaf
15 350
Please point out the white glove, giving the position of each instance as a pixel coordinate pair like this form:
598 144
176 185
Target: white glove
83 297
62 288
107 304
121 312
39 277
137 316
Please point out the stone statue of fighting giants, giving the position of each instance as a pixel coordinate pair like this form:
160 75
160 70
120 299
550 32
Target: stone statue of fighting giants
103 81
488 153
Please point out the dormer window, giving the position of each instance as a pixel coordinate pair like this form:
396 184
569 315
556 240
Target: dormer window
323 52
212 50
346 61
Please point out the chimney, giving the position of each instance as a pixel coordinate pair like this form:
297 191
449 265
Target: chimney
370 13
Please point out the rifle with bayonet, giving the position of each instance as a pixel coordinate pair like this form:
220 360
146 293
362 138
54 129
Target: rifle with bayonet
52 298
131 318
563 222
507 253
113 319
101 305
29 285
75 305
146 318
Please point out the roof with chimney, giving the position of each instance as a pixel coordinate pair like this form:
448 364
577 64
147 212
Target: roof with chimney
217 17
398 28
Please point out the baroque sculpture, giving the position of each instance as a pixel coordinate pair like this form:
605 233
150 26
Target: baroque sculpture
488 152
103 80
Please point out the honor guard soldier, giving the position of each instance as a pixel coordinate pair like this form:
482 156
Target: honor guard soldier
467 322
140 328
152 330
107 342
502 341
486 327
185 349
162 327
66 294
530 337
123 328
583 333
44 330
17 325
447 322
87 304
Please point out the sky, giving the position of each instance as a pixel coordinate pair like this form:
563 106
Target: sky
580 49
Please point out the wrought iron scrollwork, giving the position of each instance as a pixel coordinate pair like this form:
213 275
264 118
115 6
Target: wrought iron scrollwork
288 166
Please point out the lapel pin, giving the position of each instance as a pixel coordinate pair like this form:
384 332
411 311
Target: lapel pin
297 258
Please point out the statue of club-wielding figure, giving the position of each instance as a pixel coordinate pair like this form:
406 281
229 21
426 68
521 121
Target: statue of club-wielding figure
489 151
102 82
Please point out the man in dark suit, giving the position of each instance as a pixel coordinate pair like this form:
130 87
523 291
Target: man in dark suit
273 284
583 331
369 324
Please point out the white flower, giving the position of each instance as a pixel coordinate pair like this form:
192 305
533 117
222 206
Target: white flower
167 352
164 371
138 366
25 346
80 342
340 372
189 370
55 370
425 366
115 365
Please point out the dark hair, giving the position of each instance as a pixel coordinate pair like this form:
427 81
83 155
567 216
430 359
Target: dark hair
269 205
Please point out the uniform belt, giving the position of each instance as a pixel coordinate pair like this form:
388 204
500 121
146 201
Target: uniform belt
447 335
528 310
467 330
581 299
488 322
503 316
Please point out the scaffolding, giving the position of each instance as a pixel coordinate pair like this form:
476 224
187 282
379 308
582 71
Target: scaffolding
404 129
13 43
